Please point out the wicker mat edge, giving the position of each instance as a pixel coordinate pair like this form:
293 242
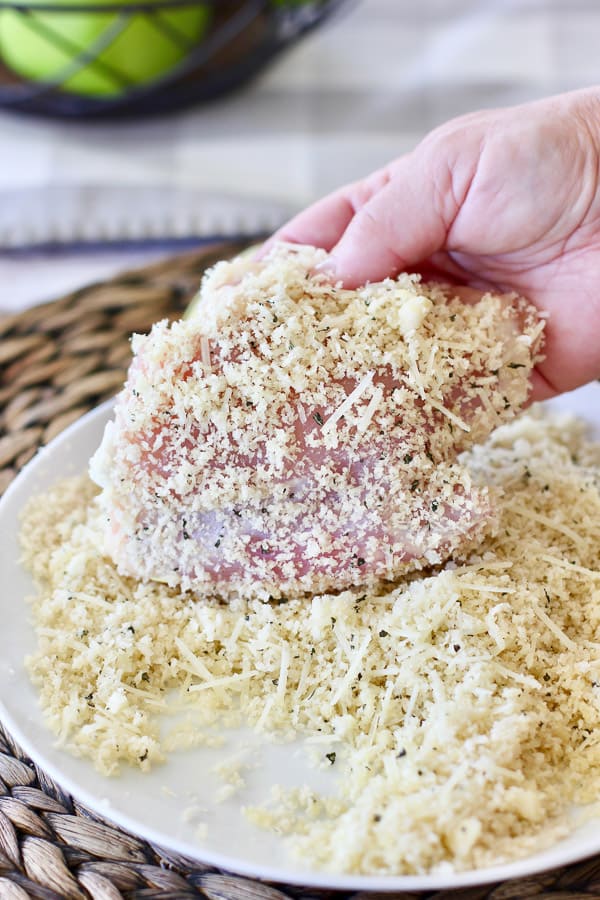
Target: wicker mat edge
57 361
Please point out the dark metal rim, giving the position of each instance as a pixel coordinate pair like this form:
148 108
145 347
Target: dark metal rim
25 7
189 81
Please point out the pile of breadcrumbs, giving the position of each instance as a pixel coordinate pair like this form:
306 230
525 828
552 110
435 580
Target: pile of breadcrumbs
463 705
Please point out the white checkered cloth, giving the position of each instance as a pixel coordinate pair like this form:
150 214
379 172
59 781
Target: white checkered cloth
350 97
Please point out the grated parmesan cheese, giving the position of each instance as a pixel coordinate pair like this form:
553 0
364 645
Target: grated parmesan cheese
411 314
348 403
462 703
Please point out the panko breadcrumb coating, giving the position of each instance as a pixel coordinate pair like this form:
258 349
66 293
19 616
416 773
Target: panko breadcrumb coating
294 436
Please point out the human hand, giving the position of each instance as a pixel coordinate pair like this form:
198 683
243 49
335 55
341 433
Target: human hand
503 200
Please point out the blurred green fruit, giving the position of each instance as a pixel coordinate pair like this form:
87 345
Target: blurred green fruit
140 53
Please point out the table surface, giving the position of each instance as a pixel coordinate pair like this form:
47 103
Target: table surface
353 95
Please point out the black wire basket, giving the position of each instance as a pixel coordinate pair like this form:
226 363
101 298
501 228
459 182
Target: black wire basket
147 57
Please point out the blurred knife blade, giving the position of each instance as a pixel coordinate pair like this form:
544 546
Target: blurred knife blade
69 215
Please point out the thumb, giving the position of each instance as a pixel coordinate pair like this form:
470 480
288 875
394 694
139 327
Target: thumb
405 222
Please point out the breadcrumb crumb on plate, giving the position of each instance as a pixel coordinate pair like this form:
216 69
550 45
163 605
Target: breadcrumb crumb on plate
540 631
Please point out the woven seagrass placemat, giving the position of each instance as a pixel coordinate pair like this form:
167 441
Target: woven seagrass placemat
57 361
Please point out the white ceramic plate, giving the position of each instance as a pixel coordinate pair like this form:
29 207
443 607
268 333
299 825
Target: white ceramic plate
153 805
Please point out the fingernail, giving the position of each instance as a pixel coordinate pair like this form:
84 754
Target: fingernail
258 251
328 268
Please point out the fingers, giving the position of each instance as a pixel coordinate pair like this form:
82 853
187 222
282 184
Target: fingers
321 224
384 224
324 223
401 224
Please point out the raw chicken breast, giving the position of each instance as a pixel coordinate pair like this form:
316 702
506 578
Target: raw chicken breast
293 436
